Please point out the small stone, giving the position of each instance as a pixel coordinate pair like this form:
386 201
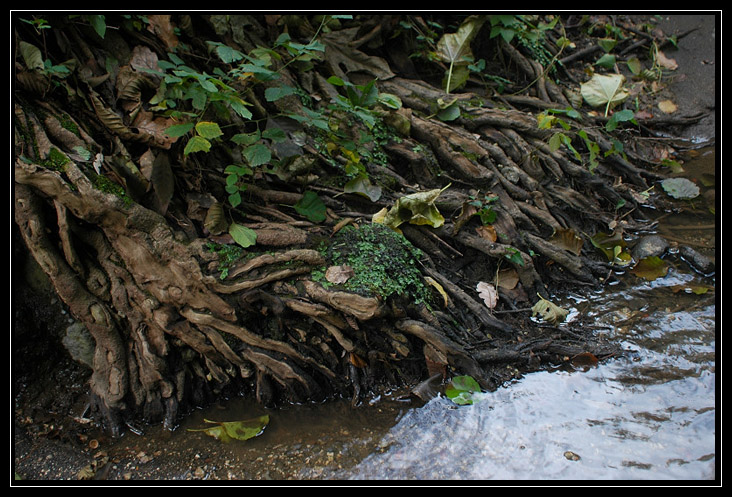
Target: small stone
650 246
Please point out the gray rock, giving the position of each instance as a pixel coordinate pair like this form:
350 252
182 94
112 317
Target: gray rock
80 344
649 246
698 261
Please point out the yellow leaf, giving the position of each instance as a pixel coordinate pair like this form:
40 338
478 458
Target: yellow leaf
438 287
667 107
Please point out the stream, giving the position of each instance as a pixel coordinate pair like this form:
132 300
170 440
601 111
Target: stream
648 415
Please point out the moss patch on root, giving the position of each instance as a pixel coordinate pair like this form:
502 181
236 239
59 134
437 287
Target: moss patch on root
384 263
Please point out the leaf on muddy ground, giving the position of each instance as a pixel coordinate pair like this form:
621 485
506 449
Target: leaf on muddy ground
507 279
488 293
548 311
339 274
235 430
416 208
651 268
666 62
567 239
680 188
667 106
604 89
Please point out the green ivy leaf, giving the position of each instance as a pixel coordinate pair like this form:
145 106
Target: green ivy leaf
242 235
311 207
275 93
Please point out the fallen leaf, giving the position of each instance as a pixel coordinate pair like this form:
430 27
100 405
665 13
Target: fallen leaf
487 232
548 311
651 268
507 279
339 274
667 107
567 239
439 288
235 430
665 62
488 293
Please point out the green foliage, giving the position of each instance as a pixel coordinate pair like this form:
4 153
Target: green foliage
235 430
311 207
485 209
228 254
463 390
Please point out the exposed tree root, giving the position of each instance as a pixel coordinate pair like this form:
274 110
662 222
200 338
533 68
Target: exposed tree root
170 333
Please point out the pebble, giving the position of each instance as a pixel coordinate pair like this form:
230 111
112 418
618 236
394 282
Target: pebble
649 246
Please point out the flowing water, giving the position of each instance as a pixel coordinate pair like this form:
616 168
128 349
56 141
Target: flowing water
648 415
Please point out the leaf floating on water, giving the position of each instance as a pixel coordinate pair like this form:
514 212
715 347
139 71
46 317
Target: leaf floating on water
235 430
461 390
651 268
488 293
680 188
613 246
548 311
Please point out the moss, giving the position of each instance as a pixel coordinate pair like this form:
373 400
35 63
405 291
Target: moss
106 185
57 160
69 124
385 263
228 254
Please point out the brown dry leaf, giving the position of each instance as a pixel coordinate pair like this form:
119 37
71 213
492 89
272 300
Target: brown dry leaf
154 128
161 27
567 239
357 360
665 62
488 293
339 274
488 232
667 107
467 211
507 279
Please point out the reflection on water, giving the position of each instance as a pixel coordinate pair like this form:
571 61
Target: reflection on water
650 415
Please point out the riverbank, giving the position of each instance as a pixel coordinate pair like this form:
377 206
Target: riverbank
53 441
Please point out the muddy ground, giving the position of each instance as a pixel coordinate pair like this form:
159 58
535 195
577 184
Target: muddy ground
51 440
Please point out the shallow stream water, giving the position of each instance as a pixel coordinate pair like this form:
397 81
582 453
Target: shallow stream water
648 415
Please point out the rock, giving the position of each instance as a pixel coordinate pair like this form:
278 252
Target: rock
698 261
649 246
80 344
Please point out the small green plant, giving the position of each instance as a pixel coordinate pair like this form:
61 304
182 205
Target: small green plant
228 255
485 209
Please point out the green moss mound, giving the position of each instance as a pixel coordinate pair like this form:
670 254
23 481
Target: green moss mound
384 263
